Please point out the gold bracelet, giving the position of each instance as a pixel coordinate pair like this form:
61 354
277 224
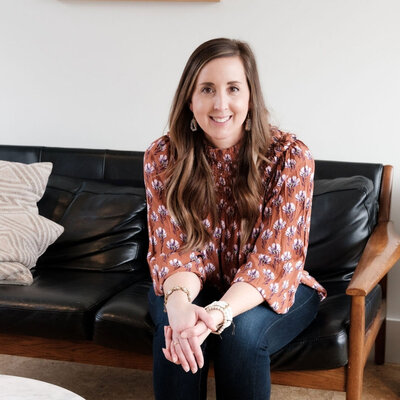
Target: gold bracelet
174 289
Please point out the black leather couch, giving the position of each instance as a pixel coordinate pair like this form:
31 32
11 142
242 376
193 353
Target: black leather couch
90 287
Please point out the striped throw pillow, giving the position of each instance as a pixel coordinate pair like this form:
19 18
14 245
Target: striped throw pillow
24 234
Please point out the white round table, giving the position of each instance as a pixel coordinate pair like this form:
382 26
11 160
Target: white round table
17 388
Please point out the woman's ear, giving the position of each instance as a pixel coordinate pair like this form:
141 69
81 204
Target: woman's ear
190 106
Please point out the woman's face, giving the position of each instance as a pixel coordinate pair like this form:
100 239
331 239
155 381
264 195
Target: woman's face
220 101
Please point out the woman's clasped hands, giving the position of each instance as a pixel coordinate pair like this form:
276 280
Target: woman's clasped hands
189 327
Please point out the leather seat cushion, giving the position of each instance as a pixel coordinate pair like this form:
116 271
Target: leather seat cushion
124 323
105 225
59 303
324 344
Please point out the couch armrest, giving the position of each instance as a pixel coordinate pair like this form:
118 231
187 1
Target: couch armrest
380 254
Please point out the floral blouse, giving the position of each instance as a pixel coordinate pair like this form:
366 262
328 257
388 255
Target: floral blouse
273 258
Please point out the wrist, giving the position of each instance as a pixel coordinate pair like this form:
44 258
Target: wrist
225 310
177 295
217 316
176 299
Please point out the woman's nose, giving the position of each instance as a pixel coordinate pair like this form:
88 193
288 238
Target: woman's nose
220 101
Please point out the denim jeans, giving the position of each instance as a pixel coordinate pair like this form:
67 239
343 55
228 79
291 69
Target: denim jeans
241 354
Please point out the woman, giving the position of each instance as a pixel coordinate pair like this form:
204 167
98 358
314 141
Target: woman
229 205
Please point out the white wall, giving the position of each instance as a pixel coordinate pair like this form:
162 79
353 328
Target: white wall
101 74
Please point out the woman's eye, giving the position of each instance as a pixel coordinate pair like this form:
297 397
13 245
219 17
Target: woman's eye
206 90
234 89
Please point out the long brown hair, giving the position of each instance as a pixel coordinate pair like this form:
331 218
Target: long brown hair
190 186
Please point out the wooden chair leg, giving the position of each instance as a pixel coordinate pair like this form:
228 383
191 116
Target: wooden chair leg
355 368
380 341
380 344
354 385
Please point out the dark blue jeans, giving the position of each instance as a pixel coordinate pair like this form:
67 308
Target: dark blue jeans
241 356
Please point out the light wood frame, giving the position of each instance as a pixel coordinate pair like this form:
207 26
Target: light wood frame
186 1
380 254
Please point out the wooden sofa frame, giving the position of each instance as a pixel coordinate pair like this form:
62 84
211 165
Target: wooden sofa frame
380 254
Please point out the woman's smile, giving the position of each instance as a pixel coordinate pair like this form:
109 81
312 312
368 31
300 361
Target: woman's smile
221 120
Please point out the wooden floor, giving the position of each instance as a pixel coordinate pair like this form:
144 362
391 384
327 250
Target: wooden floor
103 383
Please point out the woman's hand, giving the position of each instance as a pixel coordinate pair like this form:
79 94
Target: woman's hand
195 336
201 330
185 351
169 350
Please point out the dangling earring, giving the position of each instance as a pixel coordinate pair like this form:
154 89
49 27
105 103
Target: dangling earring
247 125
193 125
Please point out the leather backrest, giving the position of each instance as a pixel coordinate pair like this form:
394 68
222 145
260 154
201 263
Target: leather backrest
105 225
340 169
98 197
344 213
112 166
345 210
358 197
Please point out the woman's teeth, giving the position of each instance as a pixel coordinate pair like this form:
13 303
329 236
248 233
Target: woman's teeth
220 119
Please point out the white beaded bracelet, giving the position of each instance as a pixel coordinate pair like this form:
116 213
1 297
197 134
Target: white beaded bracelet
226 311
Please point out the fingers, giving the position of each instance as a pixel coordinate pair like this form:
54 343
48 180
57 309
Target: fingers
197 352
206 318
169 353
182 357
174 354
188 353
168 340
203 337
180 351
205 322
167 336
196 330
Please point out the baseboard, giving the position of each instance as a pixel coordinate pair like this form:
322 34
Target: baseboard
392 341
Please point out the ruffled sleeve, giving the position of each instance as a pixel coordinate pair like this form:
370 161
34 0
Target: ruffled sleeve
165 236
275 266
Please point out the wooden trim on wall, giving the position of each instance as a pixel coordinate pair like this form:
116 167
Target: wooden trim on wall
183 1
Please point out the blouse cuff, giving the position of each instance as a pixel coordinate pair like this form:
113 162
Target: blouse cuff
163 266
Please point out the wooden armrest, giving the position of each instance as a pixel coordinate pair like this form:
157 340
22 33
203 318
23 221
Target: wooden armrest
379 256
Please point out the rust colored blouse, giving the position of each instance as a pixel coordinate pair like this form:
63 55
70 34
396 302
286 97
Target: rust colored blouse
273 258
